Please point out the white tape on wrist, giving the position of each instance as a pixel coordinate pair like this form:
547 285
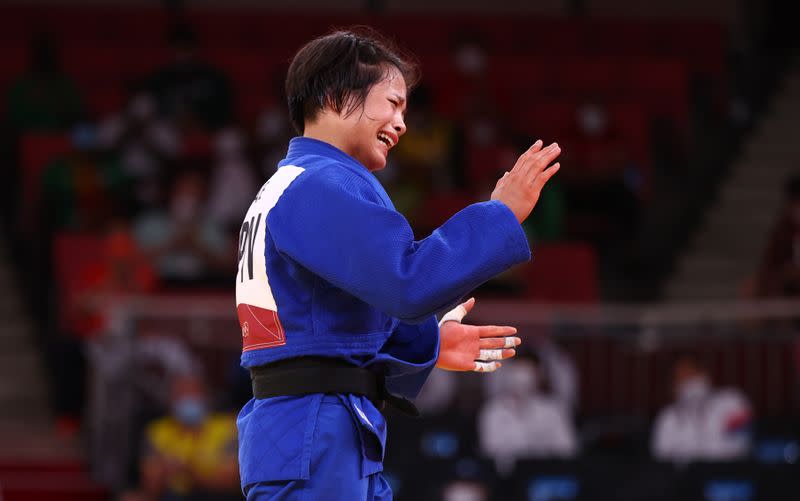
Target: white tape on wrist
457 314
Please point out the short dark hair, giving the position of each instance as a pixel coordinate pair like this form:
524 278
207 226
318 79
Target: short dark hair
339 69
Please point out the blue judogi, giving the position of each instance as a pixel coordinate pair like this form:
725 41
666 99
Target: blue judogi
345 278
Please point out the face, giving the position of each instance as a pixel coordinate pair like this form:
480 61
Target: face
370 133
188 401
684 373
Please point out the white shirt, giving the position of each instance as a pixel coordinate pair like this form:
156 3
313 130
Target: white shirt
710 428
533 427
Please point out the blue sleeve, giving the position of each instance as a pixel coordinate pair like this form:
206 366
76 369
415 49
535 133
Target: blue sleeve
337 227
409 356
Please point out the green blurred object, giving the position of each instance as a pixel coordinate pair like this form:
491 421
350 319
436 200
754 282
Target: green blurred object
546 222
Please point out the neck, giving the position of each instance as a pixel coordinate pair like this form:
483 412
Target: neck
322 130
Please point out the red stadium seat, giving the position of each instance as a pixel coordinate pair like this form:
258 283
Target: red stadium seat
664 85
546 119
439 207
563 273
13 63
590 77
73 255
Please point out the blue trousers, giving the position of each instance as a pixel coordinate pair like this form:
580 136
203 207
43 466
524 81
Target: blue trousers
335 467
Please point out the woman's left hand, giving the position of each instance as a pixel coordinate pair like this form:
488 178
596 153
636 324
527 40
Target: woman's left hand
473 347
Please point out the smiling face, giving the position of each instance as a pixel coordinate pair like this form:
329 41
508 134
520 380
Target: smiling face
368 134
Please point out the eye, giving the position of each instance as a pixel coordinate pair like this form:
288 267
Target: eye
394 102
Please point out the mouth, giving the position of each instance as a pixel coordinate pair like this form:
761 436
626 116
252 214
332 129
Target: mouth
388 140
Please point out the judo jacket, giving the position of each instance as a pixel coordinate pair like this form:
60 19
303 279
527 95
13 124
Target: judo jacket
328 267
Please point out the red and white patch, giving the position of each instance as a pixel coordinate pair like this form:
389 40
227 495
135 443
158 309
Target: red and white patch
261 328
255 304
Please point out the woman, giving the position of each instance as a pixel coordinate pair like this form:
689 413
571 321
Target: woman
335 298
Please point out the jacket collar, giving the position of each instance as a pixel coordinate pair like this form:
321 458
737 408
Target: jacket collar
301 146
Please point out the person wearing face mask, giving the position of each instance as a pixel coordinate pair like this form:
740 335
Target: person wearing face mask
519 422
82 188
189 90
183 242
602 188
703 423
233 181
337 299
191 453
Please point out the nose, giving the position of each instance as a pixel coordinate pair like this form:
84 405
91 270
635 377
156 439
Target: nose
399 125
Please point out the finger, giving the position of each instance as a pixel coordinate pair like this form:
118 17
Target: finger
543 159
493 343
486 366
490 355
458 313
495 331
496 354
536 146
468 305
523 159
545 176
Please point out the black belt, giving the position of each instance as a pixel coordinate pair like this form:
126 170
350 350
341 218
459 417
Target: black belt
306 375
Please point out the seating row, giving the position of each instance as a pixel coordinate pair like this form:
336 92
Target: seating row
702 44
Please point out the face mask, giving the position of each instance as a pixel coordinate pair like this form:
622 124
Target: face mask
592 120
471 60
229 144
521 379
694 389
271 125
184 208
189 410
142 108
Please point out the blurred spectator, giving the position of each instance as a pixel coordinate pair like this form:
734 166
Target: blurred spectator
519 422
703 423
83 188
780 267
185 244
190 454
556 373
233 182
273 128
44 98
465 490
188 90
559 373
145 144
124 270
470 58
438 393
84 291
600 184
432 143
470 55
126 388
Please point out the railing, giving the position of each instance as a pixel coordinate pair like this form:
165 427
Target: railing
622 353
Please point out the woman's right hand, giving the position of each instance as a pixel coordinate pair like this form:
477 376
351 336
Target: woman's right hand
520 187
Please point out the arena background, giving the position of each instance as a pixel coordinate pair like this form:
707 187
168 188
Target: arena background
668 232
